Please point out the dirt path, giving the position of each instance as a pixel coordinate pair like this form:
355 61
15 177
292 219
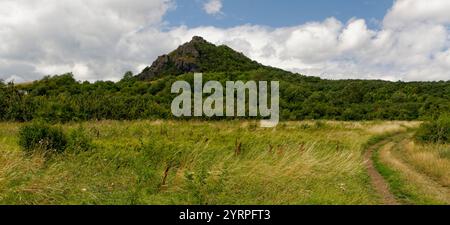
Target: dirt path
386 149
432 187
378 182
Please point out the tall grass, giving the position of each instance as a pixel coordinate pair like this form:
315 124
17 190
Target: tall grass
168 162
431 159
415 173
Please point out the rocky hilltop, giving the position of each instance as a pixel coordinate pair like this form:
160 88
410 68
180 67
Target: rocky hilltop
198 55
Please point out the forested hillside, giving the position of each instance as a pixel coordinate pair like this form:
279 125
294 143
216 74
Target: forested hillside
147 95
62 98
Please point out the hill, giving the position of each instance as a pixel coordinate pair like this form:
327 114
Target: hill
61 98
198 55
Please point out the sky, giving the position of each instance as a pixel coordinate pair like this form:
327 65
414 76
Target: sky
394 40
274 13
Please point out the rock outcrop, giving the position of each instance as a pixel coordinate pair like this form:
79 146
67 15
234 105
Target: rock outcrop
198 55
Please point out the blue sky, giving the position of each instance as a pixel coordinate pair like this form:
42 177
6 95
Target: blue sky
276 13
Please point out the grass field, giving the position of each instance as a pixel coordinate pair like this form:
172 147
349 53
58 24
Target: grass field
229 162
417 173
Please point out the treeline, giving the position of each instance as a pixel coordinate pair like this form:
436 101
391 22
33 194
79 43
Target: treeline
62 99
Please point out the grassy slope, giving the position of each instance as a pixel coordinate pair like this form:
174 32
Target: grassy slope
203 162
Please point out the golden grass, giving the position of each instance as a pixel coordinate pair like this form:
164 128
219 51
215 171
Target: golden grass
427 158
423 189
197 162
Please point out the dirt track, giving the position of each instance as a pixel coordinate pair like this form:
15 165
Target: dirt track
378 182
431 187
386 149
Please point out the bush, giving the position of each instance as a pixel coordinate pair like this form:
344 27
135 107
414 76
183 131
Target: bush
79 141
41 137
437 131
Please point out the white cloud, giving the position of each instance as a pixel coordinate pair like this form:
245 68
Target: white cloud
103 39
355 35
14 79
64 34
411 12
335 50
213 7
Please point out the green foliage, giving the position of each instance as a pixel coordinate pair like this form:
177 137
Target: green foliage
79 140
437 131
203 184
183 162
38 137
60 99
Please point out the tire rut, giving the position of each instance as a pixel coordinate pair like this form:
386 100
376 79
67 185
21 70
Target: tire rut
377 180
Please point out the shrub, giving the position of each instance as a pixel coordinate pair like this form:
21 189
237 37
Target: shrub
437 131
79 141
41 137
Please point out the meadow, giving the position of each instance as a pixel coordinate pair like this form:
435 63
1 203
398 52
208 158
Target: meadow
194 162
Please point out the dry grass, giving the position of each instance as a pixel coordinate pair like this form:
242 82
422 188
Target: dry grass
421 176
393 126
178 162
429 159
